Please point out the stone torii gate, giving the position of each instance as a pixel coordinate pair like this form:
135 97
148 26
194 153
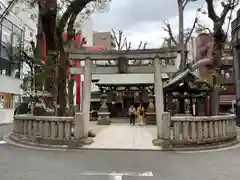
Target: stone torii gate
163 62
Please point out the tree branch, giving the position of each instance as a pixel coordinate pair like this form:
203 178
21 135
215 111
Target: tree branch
211 11
201 28
226 8
123 43
184 3
120 40
128 45
140 44
116 39
169 30
76 5
191 31
70 26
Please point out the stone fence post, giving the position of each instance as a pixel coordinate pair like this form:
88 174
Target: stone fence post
79 126
166 122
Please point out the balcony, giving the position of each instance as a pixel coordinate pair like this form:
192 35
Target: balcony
226 62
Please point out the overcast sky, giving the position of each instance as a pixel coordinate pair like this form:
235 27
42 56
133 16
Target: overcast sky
143 19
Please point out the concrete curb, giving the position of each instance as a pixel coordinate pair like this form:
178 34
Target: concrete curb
204 148
9 140
122 149
5 124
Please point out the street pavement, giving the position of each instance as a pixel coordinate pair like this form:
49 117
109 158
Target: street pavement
4 129
28 164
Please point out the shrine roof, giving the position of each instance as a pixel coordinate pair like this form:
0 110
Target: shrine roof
187 76
179 77
126 79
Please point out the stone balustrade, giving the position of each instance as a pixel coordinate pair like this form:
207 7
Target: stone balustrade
44 129
183 131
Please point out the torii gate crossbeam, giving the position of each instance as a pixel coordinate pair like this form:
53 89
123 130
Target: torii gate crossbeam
158 56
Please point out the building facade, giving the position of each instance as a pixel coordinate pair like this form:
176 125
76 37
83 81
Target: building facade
17 29
103 39
203 45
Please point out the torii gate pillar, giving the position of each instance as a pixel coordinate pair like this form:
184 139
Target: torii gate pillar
159 101
83 118
87 95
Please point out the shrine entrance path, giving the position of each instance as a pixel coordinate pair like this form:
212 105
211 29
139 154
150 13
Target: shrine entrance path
124 136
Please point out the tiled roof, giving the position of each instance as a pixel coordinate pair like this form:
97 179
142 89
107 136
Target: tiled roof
127 78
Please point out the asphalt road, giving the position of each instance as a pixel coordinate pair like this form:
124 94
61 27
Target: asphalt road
28 164
4 129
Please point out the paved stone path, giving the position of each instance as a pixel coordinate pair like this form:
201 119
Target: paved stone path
125 136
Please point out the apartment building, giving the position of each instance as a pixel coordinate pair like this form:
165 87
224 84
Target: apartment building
17 29
203 45
104 39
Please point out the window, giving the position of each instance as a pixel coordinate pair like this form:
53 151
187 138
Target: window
31 34
5 50
17 30
8 100
16 40
6 35
1 101
204 53
228 74
7 24
9 68
33 17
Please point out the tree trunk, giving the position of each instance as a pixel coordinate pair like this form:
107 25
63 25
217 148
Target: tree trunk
48 14
216 58
71 97
62 77
181 35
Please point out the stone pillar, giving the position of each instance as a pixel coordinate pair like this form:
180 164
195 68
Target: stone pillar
81 96
170 102
159 103
79 126
87 94
103 114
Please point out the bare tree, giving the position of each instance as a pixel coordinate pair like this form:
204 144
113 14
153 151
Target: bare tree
183 38
121 40
219 39
122 43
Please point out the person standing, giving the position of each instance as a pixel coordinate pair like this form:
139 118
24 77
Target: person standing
140 113
132 114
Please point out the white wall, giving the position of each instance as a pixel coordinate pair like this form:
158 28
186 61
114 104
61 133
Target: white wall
6 115
10 85
20 15
28 18
87 30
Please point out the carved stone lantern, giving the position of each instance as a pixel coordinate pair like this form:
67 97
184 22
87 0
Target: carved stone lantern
103 114
151 114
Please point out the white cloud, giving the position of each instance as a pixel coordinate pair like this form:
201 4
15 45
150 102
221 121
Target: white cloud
147 26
